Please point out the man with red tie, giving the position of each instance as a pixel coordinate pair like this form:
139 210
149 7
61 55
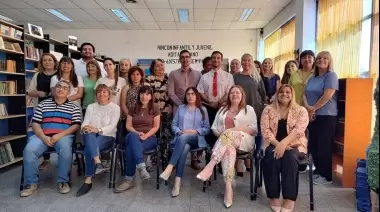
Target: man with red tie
213 87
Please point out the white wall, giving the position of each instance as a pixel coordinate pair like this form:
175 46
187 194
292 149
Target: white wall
281 18
138 44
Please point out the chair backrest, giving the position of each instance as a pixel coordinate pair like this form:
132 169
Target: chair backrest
307 134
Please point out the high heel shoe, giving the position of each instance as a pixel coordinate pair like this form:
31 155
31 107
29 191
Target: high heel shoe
286 210
227 204
199 177
175 191
276 208
164 176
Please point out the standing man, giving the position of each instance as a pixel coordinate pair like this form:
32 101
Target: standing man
88 52
214 87
181 79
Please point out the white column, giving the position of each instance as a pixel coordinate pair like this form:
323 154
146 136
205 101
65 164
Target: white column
306 16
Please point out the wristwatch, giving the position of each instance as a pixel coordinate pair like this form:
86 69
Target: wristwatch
100 131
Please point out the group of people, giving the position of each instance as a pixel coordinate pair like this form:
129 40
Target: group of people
238 112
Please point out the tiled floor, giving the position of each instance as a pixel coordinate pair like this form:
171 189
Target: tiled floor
145 197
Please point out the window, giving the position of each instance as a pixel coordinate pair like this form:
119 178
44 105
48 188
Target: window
346 33
280 46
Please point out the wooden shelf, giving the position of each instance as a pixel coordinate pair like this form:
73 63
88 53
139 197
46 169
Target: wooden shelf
9 163
11 73
10 138
57 42
31 60
11 25
11 51
12 94
12 116
9 38
34 38
31 71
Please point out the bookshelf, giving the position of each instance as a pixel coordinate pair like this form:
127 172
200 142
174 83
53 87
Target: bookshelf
12 94
354 127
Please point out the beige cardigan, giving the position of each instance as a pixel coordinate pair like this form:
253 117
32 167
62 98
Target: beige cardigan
242 119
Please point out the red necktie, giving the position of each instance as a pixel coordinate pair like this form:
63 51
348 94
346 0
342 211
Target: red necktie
215 85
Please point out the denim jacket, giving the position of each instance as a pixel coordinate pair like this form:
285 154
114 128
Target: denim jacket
201 125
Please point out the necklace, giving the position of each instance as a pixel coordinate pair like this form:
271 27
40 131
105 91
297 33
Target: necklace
143 111
233 112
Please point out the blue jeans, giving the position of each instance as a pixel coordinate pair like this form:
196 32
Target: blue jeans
94 144
33 151
182 147
134 154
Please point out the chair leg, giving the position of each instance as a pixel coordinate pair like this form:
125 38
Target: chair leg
22 178
121 159
258 177
311 188
252 185
111 183
158 173
260 162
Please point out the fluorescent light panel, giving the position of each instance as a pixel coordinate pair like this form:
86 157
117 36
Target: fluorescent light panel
121 15
245 14
58 15
183 15
5 18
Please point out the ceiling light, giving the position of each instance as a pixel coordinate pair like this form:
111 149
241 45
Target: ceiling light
59 15
121 15
183 15
245 14
5 18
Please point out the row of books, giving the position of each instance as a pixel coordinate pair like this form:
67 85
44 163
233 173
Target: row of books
8 87
3 110
32 52
10 31
9 45
8 65
6 154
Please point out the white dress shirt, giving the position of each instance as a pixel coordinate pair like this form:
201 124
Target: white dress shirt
225 81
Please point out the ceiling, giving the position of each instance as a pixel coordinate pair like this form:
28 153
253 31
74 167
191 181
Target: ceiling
144 15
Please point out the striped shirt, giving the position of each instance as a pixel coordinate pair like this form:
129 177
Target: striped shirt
55 118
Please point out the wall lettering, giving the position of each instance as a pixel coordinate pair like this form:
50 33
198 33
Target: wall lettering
197 52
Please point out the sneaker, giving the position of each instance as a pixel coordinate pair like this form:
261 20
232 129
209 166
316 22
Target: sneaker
127 184
44 165
28 190
99 168
64 188
321 181
144 174
316 176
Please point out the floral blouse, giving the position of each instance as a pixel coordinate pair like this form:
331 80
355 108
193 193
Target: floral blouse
160 91
296 123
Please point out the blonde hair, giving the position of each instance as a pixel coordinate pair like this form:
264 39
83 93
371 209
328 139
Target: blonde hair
242 103
41 66
255 75
126 59
271 60
331 63
101 87
293 104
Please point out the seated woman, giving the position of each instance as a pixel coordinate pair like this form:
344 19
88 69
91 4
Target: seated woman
143 121
190 125
235 126
283 125
99 133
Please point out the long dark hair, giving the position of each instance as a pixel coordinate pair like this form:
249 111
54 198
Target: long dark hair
116 71
137 109
286 76
73 75
198 102
304 54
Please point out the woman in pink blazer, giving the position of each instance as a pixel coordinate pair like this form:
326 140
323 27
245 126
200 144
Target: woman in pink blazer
283 125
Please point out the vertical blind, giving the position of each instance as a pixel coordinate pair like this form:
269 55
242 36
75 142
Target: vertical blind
339 32
280 46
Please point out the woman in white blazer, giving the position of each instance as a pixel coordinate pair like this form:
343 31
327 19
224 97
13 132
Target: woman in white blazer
235 125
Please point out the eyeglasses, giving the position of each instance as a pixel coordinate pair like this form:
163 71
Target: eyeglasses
59 87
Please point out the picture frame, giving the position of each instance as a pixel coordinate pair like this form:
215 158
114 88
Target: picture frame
73 43
35 31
